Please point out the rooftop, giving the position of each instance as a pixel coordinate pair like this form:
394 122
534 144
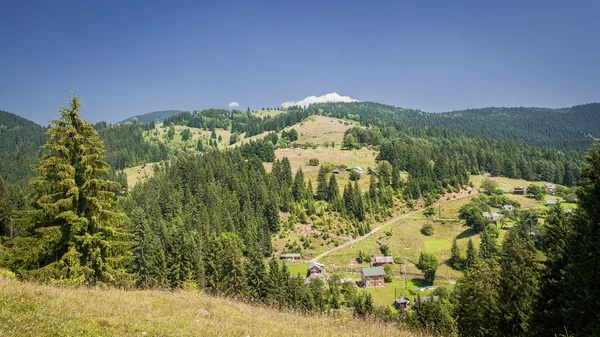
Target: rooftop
384 259
374 271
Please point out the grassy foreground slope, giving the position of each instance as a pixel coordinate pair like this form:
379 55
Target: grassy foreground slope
29 309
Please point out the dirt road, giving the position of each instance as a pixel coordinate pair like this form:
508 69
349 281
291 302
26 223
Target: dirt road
375 230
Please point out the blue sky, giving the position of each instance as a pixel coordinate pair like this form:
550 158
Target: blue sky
132 57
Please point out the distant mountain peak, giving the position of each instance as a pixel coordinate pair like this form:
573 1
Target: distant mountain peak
327 98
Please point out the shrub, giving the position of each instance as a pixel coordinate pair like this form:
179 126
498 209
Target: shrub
427 229
313 162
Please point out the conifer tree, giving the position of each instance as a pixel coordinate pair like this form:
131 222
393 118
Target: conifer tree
322 190
455 256
5 209
488 248
255 273
472 258
548 319
298 188
518 280
333 193
478 301
75 225
373 188
233 275
143 263
360 210
581 306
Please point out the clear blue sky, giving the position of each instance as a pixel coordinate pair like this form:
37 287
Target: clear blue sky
132 57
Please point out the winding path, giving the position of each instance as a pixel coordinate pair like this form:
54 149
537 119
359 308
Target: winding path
375 230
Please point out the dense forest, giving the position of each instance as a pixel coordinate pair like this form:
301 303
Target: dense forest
573 128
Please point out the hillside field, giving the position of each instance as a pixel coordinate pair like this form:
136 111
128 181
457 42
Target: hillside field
30 309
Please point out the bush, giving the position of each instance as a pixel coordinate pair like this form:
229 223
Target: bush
354 176
313 162
427 229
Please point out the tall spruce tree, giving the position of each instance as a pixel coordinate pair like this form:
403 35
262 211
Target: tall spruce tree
471 259
5 209
74 232
581 306
488 248
455 260
322 191
477 298
518 280
548 319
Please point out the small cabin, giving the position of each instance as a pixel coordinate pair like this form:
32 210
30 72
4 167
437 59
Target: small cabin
383 260
289 256
316 268
520 190
336 172
401 302
373 277
358 170
551 203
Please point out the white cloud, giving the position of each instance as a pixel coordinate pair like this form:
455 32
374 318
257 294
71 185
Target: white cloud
331 97
234 104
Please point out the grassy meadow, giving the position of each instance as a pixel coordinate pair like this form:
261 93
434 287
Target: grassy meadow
30 309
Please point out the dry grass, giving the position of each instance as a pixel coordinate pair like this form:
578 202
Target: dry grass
363 158
36 310
321 129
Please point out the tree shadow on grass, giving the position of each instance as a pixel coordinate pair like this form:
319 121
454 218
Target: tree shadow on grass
419 282
467 233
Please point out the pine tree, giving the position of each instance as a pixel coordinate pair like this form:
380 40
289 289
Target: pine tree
143 250
373 188
75 226
333 192
477 298
5 209
455 256
518 280
233 275
488 248
322 184
471 259
548 319
360 210
255 273
581 306
298 188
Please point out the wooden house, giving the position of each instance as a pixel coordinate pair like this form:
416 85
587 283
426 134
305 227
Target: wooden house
316 268
401 302
383 260
372 277
289 256
520 190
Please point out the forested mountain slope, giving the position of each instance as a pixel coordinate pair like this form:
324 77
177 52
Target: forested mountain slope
155 116
571 128
20 140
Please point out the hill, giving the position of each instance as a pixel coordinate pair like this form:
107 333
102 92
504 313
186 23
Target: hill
20 140
156 116
32 310
573 128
